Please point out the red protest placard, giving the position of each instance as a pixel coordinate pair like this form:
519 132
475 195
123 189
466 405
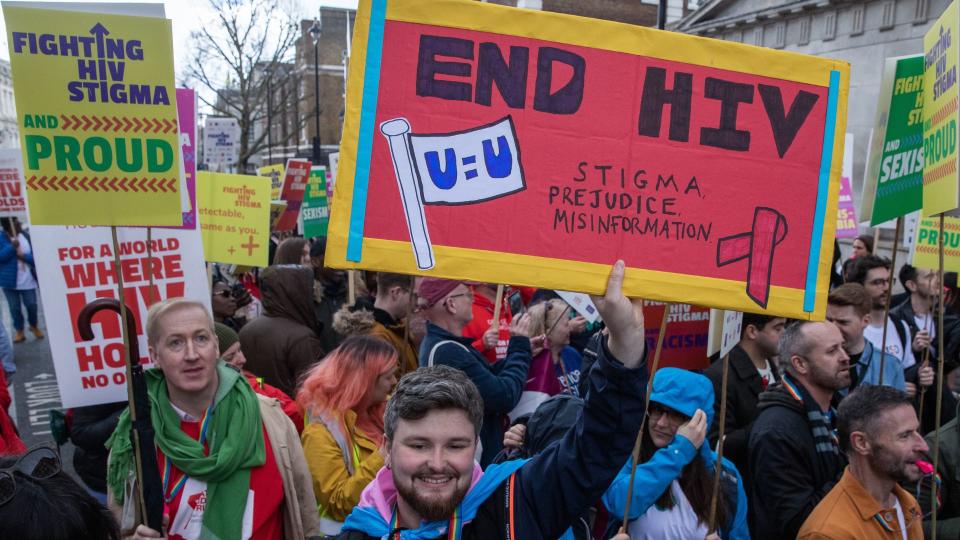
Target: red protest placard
294 184
536 149
685 341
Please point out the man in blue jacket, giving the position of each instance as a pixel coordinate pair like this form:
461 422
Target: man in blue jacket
448 307
431 487
848 307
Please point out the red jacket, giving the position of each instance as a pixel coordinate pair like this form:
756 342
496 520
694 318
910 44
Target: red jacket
482 321
290 406
10 443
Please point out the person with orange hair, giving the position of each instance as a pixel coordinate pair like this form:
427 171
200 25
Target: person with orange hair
344 397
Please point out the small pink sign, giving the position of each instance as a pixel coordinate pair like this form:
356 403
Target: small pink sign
846 215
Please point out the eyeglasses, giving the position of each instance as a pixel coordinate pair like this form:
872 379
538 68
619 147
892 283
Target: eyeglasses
467 294
656 411
40 463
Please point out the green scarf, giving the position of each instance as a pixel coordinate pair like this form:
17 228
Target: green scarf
235 438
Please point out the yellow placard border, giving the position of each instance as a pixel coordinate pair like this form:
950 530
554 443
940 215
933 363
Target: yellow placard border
515 269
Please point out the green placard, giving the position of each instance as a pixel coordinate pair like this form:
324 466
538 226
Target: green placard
315 209
896 152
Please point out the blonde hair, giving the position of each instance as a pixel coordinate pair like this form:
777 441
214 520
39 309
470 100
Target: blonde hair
161 309
546 315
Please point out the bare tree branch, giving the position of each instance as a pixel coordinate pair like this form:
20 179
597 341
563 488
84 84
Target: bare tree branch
244 52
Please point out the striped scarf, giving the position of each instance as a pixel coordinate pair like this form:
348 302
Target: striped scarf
821 425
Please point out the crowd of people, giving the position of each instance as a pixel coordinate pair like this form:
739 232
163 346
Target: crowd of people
305 406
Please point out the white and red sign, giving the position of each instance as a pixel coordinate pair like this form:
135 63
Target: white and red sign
75 265
12 200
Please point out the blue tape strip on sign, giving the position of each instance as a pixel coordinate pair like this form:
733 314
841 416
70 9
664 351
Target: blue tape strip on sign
826 161
368 113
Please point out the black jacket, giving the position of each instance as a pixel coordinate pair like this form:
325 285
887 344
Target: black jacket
500 384
89 430
743 392
904 313
788 476
561 482
951 335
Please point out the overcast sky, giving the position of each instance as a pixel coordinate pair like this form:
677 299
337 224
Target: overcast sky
187 15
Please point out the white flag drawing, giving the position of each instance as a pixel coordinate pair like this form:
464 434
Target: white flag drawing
466 167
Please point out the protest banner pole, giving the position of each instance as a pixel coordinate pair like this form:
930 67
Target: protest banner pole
646 414
495 323
411 306
150 298
876 239
712 523
939 382
151 507
926 358
351 287
886 303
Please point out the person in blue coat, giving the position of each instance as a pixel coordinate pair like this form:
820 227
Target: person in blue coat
674 480
18 277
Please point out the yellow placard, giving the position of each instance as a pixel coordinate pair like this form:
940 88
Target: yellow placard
941 190
275 172
927 245
234 213
97 114
276 212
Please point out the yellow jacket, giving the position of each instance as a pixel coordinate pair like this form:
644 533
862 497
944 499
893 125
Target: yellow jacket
337 489
351 322
406 356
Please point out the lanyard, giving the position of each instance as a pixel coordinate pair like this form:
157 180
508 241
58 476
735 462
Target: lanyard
204 424
454 531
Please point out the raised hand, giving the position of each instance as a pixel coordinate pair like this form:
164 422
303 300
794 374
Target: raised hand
520 326
695 430
624 320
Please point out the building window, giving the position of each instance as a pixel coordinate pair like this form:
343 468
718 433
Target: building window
830 26
889 15
758 36
779 35
856 27
920 12
805 30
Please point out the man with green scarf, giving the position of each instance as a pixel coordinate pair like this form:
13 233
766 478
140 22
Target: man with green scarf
231 462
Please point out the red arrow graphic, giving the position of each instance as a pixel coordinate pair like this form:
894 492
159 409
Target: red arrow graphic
96 122
64 122
86 122
73 183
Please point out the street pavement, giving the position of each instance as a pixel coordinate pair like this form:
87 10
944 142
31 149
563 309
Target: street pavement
34 389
